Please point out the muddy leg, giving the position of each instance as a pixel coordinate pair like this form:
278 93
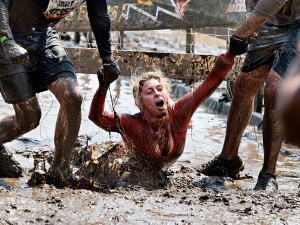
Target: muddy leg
27 117
272 136
245 89
68 121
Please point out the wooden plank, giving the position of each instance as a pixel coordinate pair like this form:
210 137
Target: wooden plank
178 66
162 14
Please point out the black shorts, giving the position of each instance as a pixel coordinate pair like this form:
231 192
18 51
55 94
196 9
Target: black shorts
47 63
275 45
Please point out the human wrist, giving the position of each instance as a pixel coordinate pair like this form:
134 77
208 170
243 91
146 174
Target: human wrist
108 59
247 15
238 45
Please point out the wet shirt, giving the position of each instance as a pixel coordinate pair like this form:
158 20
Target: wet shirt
136 132
30 19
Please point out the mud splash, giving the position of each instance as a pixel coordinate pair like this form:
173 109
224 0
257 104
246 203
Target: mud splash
187 198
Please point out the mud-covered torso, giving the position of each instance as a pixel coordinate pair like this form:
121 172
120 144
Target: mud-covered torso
139 137
38 14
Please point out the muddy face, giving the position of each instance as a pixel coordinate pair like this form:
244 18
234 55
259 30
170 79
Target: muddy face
154 98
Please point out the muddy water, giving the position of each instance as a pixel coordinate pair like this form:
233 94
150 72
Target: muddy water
189 199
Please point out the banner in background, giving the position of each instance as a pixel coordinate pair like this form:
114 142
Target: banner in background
162 14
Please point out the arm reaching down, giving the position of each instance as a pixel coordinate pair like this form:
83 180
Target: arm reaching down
255 18
263 11
100 24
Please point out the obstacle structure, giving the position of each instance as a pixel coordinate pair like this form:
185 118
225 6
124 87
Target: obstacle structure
128 15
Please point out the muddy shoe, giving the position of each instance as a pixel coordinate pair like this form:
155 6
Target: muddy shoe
55 177
9 166
61 179
37 178
266 181
223 167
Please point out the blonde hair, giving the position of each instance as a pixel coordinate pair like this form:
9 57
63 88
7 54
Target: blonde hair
138 84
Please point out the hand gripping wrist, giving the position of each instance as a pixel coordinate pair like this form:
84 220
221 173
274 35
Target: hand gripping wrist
238 45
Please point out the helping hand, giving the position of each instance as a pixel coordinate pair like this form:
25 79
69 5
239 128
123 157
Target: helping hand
14 52
109 73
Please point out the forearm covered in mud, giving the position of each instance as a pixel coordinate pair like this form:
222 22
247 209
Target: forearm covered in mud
251 25
97 114
263 11
100 24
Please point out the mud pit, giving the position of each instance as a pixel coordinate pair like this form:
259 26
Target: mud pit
189 198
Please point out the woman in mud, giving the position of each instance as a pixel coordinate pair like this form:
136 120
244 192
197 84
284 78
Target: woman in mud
155 137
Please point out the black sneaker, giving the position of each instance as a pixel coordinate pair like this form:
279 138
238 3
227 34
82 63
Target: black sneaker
266 181
223 167
61 179
58 178
9 166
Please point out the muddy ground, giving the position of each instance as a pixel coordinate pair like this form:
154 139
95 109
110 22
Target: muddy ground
189 198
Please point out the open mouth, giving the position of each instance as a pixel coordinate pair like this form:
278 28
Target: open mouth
160 103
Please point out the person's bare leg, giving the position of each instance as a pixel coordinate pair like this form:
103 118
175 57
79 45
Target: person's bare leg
246 87
272 137
26 118
228 163
68 121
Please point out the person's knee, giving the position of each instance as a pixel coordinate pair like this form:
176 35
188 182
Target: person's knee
67 93
72 99
27 123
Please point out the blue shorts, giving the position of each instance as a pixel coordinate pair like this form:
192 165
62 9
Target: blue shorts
47 63
275 45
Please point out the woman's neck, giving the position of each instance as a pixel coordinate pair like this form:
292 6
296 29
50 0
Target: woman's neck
156 122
